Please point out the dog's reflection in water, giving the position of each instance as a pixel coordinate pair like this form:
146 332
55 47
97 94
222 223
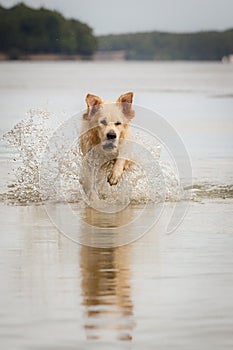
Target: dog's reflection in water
107 293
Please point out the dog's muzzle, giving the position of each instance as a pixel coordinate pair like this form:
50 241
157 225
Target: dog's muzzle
111 135
110 146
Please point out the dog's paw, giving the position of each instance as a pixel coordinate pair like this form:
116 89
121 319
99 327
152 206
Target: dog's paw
114 177
128 164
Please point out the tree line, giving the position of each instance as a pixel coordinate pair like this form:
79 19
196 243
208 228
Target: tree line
24 31
212 45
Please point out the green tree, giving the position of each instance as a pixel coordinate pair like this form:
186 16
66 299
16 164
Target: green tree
24 30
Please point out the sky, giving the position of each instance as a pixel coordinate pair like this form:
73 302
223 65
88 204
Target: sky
124 16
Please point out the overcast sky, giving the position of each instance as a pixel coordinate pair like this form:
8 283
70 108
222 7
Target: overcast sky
120 16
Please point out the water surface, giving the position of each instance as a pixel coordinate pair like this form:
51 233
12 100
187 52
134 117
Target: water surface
162 291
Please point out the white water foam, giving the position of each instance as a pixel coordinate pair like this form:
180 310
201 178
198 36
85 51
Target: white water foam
50 166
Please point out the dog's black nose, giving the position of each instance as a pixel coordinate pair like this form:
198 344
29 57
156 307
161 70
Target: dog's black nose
111 135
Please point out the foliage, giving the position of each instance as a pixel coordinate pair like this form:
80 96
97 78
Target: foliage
155 45
24 30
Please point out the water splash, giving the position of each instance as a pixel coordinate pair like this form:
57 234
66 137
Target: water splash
29 137
59 178
211 191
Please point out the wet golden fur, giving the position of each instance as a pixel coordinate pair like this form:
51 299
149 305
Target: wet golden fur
102 119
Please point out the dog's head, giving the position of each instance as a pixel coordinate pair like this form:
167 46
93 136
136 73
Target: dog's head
110 120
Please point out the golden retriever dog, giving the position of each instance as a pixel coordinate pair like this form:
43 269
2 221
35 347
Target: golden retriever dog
106 125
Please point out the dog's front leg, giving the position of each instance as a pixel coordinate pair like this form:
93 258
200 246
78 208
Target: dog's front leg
117 171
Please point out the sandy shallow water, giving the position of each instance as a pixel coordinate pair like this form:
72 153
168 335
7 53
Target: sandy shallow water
160 292
163 291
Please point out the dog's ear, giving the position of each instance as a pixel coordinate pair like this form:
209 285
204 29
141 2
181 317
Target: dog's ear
126 102
93 102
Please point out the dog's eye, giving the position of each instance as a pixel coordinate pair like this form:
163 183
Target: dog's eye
103 122
118 123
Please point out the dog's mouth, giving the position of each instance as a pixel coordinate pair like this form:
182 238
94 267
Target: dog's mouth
109 147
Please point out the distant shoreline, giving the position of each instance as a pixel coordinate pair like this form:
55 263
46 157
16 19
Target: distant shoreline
111 56
98 56
45 57
30 34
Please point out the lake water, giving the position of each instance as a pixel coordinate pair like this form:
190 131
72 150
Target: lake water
162 291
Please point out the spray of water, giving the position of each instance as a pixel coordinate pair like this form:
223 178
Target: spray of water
59 178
